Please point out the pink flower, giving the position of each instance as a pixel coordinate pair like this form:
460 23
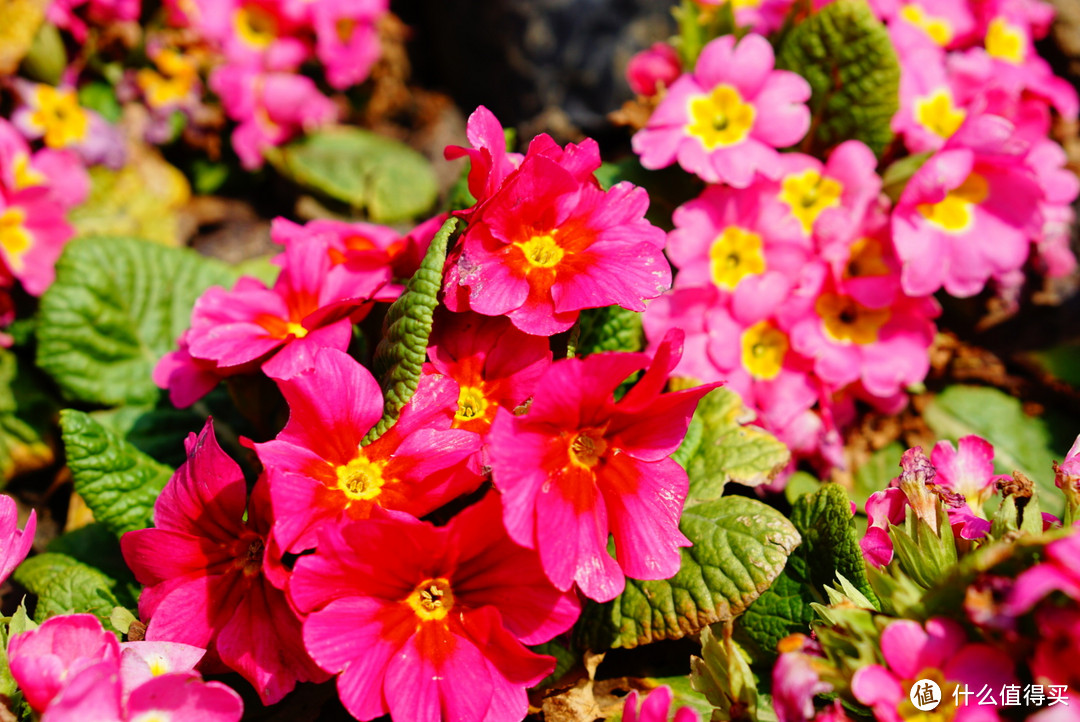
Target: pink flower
549 242
579 467
278 330
33 233
651 69
43 660
142 661
931 23
59 170
489 161
434 630
724 121
495 365
15 543
206 577
969 471
253 34
54 115
760 16
655 708
270 107
320 472
1056 573
347 41
883 508
962 220
96 694
939 652
796 678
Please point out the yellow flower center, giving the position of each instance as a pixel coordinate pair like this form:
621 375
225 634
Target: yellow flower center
867 259
721 118
955 214
360 479
848 321
472 404
256 26
159 666
296 329
937 28
152 716
14 238
588 447
432 599
764 347
1005 41
25 175
938 113
735 254
542 251
808 195
58 114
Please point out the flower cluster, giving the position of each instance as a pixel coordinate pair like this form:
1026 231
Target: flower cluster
70 669
826 281
297 581
983 608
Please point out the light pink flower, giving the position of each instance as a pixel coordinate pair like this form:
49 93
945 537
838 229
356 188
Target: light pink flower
45 659
968 471
346 38
142 661
15 543
940 652
724 121
1056 573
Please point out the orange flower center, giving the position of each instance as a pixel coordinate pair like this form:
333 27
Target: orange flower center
432 599
588 447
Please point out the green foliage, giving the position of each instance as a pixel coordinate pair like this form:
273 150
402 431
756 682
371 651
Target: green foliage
830 545
26 414
1061 362
372 173
718 448
783 609
403 348
565 659
895 178
698 25
612 328
100 97
118 482
116 307
739 547
95 545
881 468
846 55
63 586
46 58
1021 442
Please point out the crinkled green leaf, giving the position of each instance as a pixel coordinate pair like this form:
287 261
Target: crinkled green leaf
116 307
63 585
1021 442
722 673
403 348
97 546
157 432
383 177
783 609
830 545
118 482
740 546
611 328
718 448
846 55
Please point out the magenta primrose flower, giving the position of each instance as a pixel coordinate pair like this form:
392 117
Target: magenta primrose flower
940 652
207 575
549 242
436 629
724 121
579 467
649 70
15 543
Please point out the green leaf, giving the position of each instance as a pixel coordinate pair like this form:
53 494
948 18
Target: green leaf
611 328
895 178
783 609
720 449
46 58
565 659
18 624
26 418
722 673
846 55
739 547
63 585
403 348
95 545
875 475
116 307
830 545
118 482
1061 362
1021 442
383 177
101 98
157 432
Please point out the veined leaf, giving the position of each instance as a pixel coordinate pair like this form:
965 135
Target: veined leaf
63 585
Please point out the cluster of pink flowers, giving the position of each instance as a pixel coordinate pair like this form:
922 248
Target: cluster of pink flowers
70 669
823 280
263 44
439 627
37 188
